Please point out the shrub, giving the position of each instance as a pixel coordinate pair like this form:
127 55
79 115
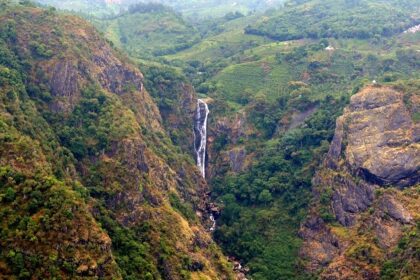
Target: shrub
40 50
10 195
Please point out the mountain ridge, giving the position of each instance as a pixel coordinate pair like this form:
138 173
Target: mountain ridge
93 103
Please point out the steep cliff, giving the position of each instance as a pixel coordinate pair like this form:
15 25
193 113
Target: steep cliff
364 222
177 102
91 185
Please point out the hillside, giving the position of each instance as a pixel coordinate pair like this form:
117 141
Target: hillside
311 149
190 8
365 221
360 19
148 30
93 7
90 182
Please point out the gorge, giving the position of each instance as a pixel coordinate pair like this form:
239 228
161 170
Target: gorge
111 166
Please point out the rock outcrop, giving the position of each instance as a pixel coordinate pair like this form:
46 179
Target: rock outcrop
365 185
378 138
226 150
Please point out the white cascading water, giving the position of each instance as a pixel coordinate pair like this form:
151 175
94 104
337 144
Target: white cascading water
213 220
200 134
200 143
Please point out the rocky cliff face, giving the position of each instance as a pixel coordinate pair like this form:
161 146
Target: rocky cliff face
226 150
68 62
92 129
367 191
381 139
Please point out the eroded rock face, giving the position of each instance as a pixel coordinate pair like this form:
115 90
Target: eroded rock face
113 74
349 199
64 80
237 159
68 76
370 173
230 131
388 205
91 61
323 246
380 138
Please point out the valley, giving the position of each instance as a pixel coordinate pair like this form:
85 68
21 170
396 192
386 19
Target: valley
209 140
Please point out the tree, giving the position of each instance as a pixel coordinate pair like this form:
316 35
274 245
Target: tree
265 197
10 195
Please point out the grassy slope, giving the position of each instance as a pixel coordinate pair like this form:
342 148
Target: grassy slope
345 19
224 44
257 69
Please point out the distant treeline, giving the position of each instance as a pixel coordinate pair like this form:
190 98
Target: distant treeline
144 8
361 19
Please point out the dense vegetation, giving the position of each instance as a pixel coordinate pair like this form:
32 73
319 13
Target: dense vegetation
265 204
148 30
338 19
286 96
193 9
37 199
276 85
69 174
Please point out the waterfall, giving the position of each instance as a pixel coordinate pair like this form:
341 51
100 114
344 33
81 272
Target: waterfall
213 222
200 144
200 135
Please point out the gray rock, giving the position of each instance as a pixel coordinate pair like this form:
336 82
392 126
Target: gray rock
394 209
381 138
237 158
320 246
350 198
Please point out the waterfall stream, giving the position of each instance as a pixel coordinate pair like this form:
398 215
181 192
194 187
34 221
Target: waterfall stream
200 143
200 134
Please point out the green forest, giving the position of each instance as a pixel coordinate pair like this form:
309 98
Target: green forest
97 116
